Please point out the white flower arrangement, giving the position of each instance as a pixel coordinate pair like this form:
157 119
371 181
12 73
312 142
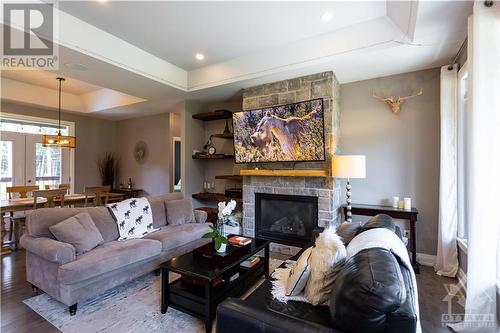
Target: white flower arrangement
226 209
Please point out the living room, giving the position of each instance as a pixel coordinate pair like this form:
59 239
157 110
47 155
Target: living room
357 149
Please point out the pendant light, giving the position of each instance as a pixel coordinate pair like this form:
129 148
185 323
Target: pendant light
59 140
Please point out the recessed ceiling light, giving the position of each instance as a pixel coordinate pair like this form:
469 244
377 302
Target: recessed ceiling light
76 66
102 0
327 16
200 56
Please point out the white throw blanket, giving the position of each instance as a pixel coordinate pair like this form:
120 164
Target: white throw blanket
133 216
386 239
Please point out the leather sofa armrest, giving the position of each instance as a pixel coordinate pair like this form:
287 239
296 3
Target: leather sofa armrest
49 249
200 216
236 315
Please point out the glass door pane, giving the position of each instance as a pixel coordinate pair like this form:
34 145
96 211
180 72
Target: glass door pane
6 161
48 165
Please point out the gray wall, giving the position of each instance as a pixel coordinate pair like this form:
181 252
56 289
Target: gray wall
153 175
94 137
402 151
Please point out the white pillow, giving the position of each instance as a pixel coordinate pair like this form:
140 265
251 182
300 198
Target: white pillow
326 258
133 217
299 274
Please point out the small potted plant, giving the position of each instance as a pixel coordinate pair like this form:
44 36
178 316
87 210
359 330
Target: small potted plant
217 233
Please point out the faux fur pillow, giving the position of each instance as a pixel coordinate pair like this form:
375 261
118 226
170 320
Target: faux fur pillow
326 260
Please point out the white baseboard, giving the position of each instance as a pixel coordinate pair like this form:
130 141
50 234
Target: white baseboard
426 259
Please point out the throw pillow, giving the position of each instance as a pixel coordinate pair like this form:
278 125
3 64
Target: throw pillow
79 231
180 211
347 230
299 274
327 256
133 217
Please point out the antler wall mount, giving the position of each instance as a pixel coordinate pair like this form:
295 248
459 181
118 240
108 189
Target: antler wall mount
395 103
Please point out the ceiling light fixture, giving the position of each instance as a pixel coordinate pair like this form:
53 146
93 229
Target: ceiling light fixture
59 140
327 16
200 56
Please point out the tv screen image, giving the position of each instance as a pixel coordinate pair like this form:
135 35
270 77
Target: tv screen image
291 132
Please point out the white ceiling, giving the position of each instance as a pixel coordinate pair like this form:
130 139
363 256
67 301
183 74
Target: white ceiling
176 31
146 49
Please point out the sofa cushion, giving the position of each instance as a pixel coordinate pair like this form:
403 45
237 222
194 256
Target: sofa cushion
369 286
347 230
158 212
108 257
378 221
38 221
79 231
180 211
178 235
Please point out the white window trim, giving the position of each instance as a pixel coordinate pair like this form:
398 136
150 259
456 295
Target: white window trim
462 244
40 120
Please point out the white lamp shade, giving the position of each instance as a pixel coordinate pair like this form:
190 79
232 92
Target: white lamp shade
349 166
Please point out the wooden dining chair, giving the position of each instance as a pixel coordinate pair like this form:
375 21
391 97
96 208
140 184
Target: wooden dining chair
18 192
59 186
55 198
100 195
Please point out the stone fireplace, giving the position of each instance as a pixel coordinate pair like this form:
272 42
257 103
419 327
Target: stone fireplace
324 190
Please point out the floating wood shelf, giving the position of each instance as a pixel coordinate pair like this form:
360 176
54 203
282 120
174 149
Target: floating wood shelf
214 197
230 177
213 157
286 173
223 136
214 115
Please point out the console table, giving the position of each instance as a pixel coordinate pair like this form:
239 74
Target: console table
396 213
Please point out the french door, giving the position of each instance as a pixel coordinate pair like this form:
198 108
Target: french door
24 161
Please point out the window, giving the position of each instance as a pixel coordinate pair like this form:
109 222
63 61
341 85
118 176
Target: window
21 126
5 167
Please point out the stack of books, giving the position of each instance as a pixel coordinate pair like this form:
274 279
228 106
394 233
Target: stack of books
250 262
239 240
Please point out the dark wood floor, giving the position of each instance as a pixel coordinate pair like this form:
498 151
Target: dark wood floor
17 317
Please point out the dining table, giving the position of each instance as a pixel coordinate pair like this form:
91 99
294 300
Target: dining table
26 204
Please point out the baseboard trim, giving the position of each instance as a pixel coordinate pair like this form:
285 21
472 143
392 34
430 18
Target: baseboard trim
426 259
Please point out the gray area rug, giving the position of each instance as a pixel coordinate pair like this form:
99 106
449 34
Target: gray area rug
131 307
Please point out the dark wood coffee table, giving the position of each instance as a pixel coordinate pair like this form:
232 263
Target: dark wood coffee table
200 290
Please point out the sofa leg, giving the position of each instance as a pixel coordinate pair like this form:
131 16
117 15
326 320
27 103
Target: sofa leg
72 309
34 290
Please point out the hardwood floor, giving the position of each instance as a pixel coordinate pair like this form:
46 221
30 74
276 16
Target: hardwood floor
17 317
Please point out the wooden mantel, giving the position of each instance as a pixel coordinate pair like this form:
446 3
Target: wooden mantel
286 173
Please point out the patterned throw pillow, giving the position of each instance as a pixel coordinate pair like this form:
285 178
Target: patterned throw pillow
134 218
299 274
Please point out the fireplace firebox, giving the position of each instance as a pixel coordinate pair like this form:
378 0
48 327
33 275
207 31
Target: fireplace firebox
286 219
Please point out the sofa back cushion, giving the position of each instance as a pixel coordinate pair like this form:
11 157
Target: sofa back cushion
180 212
159 208
369 286
39 221
378 221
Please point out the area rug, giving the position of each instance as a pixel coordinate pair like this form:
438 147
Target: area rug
131 307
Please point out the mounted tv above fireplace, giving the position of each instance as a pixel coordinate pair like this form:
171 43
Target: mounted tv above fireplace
291 132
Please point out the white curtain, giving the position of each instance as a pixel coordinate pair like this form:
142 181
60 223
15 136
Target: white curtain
447 251
483 252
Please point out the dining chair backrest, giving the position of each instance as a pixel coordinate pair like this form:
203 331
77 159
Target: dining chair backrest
100 195
51 196
59 186
21 190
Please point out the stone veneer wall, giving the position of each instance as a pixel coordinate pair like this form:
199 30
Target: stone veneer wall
322 85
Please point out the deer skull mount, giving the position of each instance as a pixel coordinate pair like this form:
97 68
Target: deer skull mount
395 103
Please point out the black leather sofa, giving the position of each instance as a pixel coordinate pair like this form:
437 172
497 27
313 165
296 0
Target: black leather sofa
373 293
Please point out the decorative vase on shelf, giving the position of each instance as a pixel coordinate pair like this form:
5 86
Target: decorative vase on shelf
222 248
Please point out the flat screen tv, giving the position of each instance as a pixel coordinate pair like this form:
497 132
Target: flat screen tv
291 132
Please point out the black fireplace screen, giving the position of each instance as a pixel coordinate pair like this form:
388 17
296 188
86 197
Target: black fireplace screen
286 219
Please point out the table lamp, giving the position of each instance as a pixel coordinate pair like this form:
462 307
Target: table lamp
348 166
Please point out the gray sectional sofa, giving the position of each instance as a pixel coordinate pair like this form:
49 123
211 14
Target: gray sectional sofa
53 266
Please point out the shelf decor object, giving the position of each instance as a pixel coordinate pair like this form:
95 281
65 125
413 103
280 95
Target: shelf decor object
212 157
59 140
348 166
